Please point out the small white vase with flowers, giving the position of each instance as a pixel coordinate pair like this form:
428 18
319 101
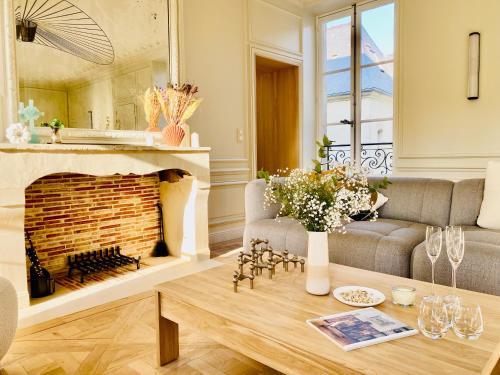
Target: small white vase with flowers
323 201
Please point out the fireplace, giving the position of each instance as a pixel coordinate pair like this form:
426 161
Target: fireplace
68 214
79 198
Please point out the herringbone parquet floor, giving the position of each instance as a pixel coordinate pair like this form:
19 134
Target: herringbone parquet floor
117 338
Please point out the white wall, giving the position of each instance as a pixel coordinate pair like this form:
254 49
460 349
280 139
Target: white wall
309 124
218 37
439 132
3 88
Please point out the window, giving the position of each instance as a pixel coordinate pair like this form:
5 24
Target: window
356 68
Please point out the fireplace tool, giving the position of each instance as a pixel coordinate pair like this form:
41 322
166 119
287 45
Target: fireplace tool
161 248
42 283
98 261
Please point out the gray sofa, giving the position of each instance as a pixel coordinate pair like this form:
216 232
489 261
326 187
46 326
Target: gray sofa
394 244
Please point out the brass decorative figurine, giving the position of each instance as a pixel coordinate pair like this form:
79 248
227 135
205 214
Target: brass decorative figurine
240 275
262 257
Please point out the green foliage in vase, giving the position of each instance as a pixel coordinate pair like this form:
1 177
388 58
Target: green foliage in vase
322 200
55 124
263 174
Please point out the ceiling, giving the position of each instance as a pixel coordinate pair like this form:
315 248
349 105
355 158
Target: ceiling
325 6
137 29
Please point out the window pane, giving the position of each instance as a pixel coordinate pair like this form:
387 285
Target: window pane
340 151
376 132
338 97
376 91
377 147
377 34
337 44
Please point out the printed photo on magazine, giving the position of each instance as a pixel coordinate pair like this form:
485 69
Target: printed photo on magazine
360 328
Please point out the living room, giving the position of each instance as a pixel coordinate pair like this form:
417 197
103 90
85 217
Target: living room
145 221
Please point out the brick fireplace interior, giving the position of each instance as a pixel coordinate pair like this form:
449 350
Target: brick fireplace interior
67 214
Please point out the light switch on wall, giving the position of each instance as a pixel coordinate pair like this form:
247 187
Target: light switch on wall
239 135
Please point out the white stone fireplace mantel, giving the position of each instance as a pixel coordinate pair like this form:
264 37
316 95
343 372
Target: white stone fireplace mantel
186 219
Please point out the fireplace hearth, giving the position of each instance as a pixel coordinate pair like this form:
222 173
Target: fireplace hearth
99 261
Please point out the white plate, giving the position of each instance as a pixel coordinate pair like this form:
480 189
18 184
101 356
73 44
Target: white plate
377 296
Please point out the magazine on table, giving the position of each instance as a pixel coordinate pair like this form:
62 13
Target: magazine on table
360 328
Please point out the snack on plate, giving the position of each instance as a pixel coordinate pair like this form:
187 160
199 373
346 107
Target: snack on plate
358 296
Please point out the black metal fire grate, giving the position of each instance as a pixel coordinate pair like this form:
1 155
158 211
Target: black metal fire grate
99 261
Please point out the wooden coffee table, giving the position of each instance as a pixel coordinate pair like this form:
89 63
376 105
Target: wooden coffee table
268 324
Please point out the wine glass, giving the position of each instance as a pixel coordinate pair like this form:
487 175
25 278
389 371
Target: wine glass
432 317
433 244
467 321
455 247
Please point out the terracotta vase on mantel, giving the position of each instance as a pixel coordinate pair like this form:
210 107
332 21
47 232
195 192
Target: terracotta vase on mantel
173 135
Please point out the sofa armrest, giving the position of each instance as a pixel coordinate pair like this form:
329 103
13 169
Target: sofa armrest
254 202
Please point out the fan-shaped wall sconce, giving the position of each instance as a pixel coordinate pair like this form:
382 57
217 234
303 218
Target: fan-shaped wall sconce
64 26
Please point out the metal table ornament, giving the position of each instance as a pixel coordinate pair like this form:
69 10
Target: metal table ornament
262 257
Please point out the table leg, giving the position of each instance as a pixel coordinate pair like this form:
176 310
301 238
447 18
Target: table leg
167 336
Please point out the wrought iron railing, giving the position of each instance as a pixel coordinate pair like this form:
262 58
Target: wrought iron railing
377 157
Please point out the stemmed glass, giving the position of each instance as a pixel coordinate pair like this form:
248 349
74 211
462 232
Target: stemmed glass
433 244
455 247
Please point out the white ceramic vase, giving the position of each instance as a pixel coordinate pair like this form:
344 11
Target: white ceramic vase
318 278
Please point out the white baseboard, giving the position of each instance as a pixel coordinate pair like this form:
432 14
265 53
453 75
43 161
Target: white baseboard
226 234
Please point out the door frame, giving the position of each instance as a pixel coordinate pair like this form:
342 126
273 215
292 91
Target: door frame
269 54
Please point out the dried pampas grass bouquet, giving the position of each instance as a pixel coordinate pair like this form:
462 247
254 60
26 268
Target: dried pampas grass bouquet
178 103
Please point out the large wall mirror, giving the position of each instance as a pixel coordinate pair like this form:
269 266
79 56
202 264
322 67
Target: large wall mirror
88 62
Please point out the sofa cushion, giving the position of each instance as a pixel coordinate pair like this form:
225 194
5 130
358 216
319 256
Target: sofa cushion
420 200
480 268
489 216
383 246
466 202
254 202
276 231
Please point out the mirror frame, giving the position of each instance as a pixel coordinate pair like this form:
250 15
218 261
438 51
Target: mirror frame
8 66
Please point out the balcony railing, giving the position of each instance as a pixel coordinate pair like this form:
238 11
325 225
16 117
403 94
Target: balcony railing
377 157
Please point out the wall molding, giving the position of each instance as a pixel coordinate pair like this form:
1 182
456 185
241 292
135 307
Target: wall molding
229 160
224 220
251 7
226 234
228 171
450 156
453 174
228 183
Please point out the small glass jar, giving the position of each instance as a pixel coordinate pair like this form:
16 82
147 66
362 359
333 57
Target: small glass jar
403 295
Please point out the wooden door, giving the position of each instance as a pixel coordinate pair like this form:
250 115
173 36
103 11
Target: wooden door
277 115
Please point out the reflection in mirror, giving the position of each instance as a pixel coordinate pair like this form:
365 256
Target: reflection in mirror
89 62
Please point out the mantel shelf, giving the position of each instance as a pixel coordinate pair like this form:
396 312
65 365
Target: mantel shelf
7 147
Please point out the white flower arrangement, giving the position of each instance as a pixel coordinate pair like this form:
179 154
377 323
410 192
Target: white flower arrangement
322 201
18 133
